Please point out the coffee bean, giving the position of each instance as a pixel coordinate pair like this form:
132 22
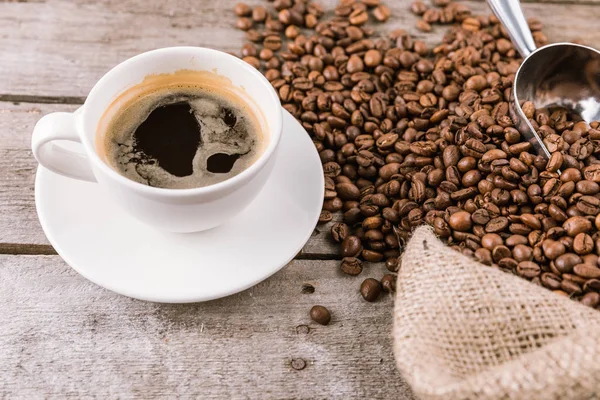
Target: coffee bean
242 10
320 315
388 283
351 266
570 287
591 299
566 262
392 264
370 289
528 269
522 253
583 244
418 7
592 285
423 26
325 216
347 191
589 205
592 173
550 280
372 58
272 42
484 256
358 17
576 225
460 221
244 23
514 240
371 256
382 13
351 246
259 14
491 240
587 271
497 224
339 231
553 249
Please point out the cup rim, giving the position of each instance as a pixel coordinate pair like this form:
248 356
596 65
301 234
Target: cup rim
230 183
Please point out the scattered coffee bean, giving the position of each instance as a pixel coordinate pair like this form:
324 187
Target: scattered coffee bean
320 315
242 10
382 13
244 23
388 283
370 289
351 266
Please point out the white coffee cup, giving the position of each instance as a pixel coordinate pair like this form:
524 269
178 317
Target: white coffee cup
174 210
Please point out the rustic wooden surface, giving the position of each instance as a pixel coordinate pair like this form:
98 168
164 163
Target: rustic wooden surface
61 336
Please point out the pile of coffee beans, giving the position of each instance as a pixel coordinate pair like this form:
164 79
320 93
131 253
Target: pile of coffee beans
410 134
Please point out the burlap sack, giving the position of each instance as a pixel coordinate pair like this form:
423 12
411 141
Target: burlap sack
466 331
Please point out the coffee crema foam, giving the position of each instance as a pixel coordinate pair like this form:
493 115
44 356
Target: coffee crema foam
229 122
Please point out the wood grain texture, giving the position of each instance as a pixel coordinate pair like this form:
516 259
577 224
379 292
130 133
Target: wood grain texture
63 336
62 47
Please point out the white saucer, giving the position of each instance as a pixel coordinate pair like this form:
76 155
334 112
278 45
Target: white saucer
111 249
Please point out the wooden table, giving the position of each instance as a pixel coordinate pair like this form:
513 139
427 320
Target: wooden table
62 336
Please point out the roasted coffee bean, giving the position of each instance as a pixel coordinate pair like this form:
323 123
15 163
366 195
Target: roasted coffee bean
371 255
358 17
382 13
392 264
370 289
566 262
528 269
583 244
550 280
351 246
339 231
351 266
570 287
591 299
522 253
242 10
320 315
589 205
497 224
388 283
325 216
491 240
553 249
460 221
576 225
418 7
587 271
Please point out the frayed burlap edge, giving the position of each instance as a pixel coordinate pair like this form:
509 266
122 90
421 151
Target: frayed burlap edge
463 330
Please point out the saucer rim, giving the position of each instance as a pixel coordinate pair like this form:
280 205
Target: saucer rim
170 298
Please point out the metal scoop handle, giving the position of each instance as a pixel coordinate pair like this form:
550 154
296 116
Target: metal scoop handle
511 16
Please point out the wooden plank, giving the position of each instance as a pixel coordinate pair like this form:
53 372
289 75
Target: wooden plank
18 218
63 336
20 231
61 47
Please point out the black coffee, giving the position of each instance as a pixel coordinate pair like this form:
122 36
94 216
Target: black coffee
182 136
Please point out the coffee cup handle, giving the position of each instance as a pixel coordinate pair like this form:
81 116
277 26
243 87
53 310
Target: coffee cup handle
54 127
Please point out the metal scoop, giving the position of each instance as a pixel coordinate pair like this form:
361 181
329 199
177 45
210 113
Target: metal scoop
559 74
